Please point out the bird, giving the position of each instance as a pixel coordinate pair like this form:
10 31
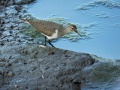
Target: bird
51 30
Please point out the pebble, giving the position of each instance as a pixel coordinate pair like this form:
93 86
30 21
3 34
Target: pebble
11 26
0 33
1 43
10 10
2 64
18 8
10 73
11 39
16 86
6 33
1 70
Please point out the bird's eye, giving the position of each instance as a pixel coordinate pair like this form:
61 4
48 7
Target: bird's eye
72 27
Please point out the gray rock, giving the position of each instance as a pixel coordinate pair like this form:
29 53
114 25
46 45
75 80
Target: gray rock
24 2
33 67
2 15
0 33
6 33
61 69
26 66
10 10
1 43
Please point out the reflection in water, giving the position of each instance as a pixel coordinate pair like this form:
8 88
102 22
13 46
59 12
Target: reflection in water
104 14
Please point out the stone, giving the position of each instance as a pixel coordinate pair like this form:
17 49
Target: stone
64 70
0 33
6 33
10 10
60 70
25 65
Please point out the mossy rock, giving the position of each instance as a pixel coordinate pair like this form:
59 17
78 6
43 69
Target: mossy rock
106 71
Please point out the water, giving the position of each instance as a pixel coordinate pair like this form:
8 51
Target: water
104 13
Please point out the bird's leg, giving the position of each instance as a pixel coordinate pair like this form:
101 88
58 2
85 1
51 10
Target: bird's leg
45 41
50 43
51 51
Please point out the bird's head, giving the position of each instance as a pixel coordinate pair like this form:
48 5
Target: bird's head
73 28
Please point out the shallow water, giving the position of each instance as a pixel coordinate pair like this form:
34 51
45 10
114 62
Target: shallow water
105 14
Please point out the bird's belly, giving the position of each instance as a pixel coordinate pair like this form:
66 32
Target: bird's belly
53 36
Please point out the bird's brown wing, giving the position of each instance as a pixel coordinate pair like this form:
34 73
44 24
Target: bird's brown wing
45 27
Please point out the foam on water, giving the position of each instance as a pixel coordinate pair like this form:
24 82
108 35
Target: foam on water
96 3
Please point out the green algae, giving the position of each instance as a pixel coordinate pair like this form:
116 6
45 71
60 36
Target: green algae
106 71
32 32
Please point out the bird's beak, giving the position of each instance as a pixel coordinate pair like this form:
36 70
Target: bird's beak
78 33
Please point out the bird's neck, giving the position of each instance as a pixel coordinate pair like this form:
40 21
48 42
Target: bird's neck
66 30
63 31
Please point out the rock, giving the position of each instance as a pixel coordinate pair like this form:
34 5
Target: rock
10 39
25 65
1 76
103 75
10 74
18 8
34 64
6 33
35 67
1 70
10 10
22 2
2 64
1 43
0 33
2 15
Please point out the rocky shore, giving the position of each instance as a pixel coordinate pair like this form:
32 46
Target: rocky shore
24 65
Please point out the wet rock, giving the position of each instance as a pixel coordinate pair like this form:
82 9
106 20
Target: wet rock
24 2
2 64
10 10
10 74
1 70
10 39
18 8
0 33
1 76
10 26
31 67
24 65
49 70
6 33
1 43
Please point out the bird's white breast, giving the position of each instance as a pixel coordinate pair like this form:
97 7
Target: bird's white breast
53 36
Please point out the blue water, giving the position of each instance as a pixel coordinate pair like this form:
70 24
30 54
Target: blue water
106 33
